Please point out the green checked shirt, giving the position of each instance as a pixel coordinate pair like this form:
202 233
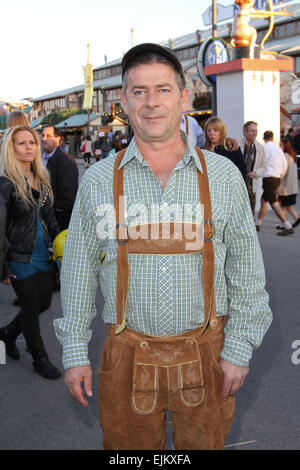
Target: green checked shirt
165 292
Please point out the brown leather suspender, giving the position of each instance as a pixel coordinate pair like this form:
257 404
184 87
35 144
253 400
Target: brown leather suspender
186 124
174 244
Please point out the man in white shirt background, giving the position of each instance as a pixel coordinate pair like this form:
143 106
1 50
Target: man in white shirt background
191 127
276 169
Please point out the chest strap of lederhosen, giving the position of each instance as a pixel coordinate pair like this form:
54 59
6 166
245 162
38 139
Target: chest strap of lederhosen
161 246
186 125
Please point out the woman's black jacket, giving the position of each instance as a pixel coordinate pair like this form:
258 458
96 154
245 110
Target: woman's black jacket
18 225
235 156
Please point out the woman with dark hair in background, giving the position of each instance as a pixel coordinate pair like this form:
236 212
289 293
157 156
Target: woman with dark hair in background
27 225
288 188
216 134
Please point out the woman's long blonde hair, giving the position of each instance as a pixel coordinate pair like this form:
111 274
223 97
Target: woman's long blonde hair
11 167
220 124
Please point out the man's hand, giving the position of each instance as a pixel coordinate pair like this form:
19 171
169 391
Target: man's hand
231 144
251 174
74 377
234 377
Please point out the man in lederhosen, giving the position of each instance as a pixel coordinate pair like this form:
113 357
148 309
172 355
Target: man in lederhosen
169 232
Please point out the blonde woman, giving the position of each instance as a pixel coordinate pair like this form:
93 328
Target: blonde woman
216 141
27 226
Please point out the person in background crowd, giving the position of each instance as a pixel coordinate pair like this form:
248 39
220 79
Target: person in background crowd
255 160
88 151
106 147
63 175
116 145
124 141
276 168
110 136
16 118
97 148
288 188
27 226
296 138
191 127
215 135
165 347
72 147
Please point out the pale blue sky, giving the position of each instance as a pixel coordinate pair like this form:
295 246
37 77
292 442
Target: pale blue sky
44 44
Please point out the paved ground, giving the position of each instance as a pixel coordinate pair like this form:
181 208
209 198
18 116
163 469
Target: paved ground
39 414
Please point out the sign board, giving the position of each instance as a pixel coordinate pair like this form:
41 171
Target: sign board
223 13
88 87
211 52
262 4
295 98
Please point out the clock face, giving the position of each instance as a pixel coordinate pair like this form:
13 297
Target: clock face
211 52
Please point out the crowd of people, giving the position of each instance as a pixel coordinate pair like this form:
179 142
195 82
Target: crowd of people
40 198
276 166
105 144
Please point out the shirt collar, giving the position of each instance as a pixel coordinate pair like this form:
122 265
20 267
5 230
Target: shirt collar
48 155
133 151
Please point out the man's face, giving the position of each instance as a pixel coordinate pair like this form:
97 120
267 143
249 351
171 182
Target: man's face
251 133
49 140
154 102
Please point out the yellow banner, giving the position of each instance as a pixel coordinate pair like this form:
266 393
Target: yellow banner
88 87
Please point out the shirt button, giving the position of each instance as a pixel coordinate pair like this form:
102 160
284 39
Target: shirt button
164 269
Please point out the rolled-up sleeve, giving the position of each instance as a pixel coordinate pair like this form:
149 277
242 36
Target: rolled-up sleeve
79 280
249 314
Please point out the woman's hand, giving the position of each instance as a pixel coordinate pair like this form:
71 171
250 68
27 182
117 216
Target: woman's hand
231 144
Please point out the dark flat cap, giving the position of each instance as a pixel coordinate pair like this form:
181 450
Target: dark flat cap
166 52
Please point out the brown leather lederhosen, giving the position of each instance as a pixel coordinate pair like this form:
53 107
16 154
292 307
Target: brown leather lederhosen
142 376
